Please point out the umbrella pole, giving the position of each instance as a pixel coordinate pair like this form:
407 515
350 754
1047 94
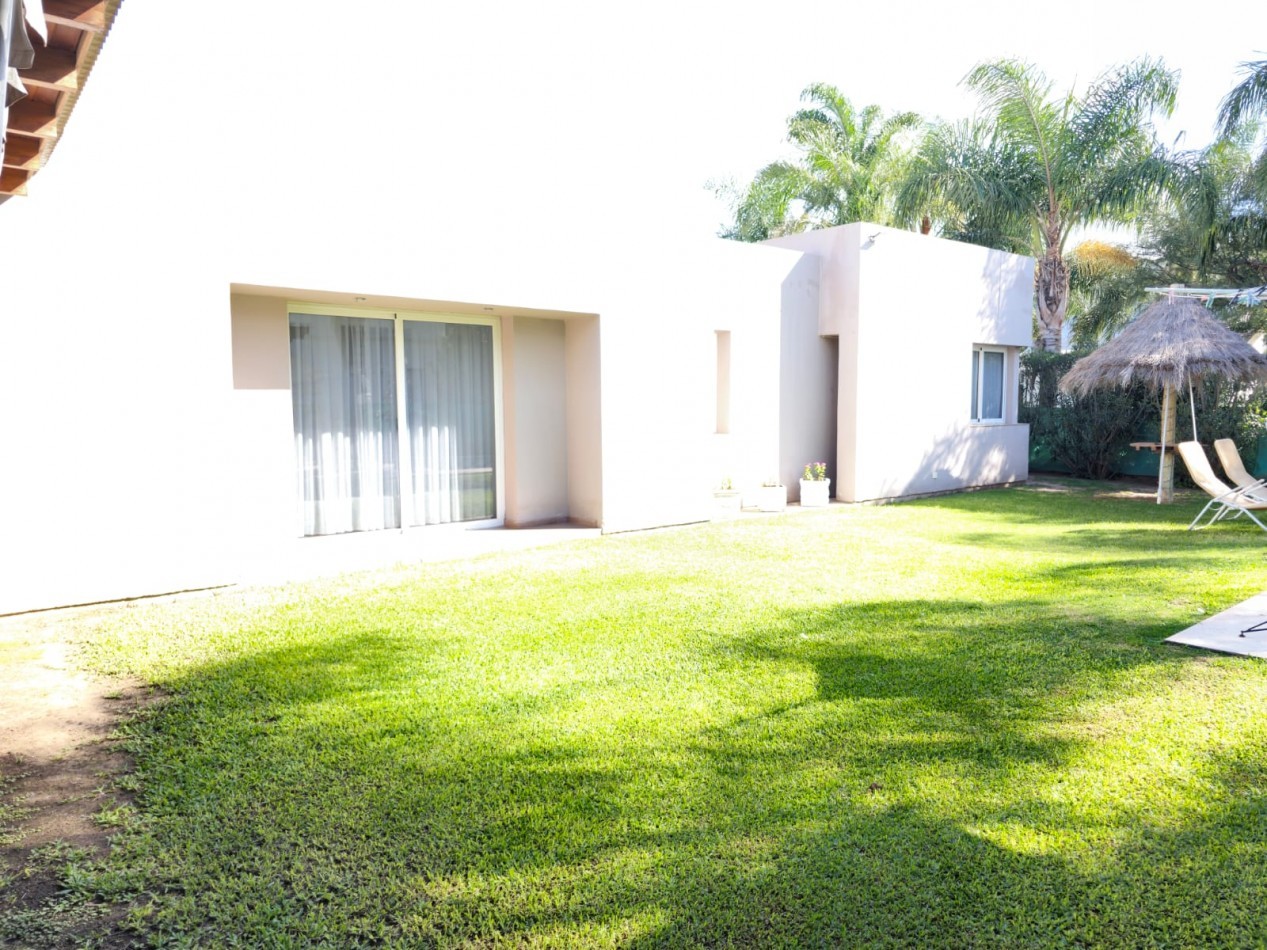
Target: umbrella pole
1192 404
1166 472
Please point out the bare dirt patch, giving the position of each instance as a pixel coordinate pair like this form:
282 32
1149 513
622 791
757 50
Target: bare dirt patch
1046 485
59 766
1129 493
1127 489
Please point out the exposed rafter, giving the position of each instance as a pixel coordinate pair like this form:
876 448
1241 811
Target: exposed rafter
34 118
76 29
56 69
87 15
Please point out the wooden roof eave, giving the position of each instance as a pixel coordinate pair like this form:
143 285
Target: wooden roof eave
76 31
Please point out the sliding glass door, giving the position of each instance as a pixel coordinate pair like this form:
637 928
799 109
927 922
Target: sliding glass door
343 391
450 421
364 465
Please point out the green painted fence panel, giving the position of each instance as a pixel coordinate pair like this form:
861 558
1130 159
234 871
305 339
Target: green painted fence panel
1138 463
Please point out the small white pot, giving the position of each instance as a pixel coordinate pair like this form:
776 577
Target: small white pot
815 494
772 498
727 502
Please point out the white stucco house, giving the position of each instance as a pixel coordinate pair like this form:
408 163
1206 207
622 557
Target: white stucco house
197 377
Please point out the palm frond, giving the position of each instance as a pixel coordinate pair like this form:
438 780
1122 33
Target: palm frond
763 210
848 165
831 102
1121 98
1112 123
889 129
975 177
1247 100
1106 289
1117 193
1016 95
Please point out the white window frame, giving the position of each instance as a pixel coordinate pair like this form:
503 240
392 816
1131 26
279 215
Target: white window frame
403 461
978 362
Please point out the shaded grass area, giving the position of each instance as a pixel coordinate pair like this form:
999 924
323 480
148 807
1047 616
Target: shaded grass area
949 722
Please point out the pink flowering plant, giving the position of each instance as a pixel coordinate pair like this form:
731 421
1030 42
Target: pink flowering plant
815 472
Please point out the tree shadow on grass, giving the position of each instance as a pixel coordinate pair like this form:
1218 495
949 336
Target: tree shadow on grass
902 876
878 772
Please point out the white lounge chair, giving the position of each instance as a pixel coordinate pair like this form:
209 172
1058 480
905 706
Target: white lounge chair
1224 499
1230 458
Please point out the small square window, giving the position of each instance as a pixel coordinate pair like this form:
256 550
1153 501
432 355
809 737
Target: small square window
988 402
723 382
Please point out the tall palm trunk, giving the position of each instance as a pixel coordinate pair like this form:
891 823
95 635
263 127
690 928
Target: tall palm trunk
1051 282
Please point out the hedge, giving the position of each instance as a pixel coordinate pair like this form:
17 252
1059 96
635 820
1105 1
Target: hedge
1090 436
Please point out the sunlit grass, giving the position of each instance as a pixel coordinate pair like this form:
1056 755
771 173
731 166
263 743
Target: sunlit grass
948 722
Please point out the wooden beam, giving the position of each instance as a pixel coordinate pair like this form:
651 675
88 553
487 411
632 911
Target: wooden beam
87 15
13 181
52 69
22 151
33 118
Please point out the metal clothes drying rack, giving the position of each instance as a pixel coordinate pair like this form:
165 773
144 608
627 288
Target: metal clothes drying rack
1260 627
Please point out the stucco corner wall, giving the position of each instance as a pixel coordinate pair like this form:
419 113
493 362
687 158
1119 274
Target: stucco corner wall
836 251
263 446
582 346
808 373
534 362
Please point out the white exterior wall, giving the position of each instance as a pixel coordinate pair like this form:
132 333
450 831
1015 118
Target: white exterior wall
639 361
115 382
149 403
908 311
170 464
662 456
144 378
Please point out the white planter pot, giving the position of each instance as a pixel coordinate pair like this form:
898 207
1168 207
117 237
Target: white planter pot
815 494
727 503
772 498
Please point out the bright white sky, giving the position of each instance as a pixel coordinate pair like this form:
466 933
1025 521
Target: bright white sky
569 116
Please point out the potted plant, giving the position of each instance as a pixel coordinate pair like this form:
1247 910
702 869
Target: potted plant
728 499
772 495
815 486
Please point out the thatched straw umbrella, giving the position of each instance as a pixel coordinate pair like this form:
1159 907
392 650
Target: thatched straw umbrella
1173 342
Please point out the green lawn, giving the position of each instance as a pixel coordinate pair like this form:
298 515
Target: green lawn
950 722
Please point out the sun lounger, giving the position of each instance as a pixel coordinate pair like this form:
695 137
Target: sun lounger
1230 458
1224 500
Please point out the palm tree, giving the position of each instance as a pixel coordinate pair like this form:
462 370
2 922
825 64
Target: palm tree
849 165
1033 167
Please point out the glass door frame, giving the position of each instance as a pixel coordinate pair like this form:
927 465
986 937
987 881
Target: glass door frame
404 463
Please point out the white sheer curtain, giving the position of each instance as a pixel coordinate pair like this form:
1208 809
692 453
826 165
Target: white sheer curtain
992 385
343 388
449 414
